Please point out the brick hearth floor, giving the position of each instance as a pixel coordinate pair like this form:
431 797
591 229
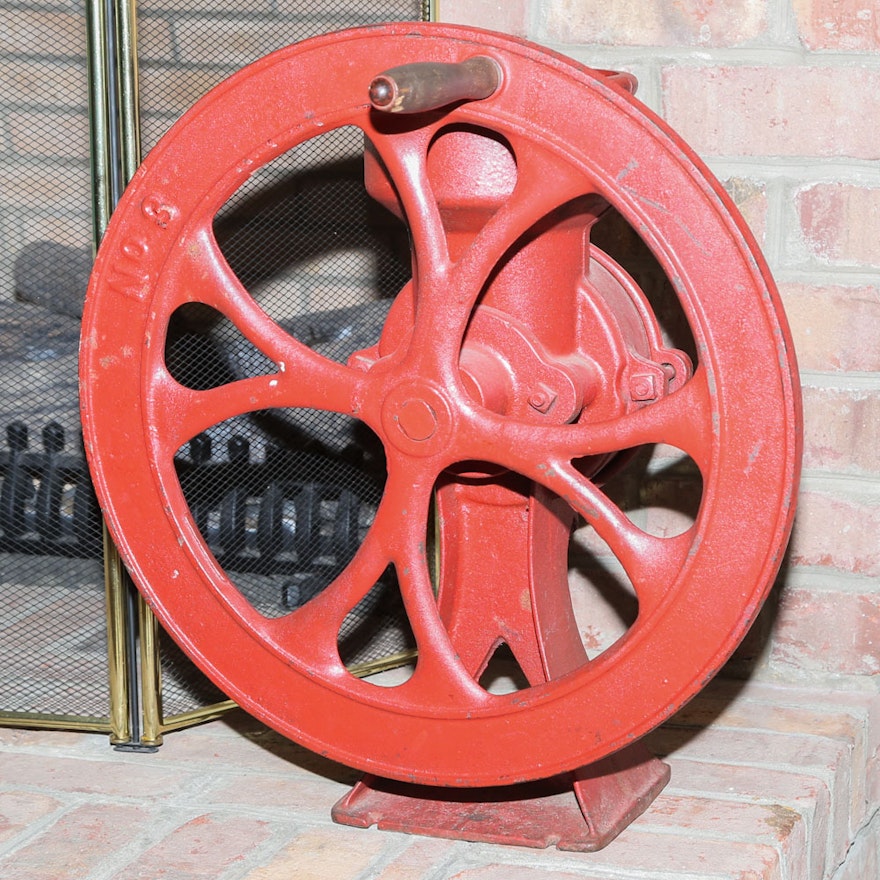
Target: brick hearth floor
769 782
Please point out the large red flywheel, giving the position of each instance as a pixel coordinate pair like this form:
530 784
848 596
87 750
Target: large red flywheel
518 368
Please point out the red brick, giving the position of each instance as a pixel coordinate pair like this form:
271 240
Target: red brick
841 724
829 761
837 532
840 222
775 825
507 16
750 196
827 632
44 83
834 327
497 871
641 852
750 653
841 428
861 704
50 135
843 25
807 795
863 859
306 793
63 740
600 601
632 22
317 854
242 740
411 863
155 40
202 848
112 776
172 90
775 111
147 7
52 188
873 778
746 714
226 41
794 751
79 840
681 853
19 809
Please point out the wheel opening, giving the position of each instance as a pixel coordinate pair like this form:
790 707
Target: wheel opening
503 674
379 647
283 522
315 251
280 519
660 490
617 238
658 487
603 598
204 349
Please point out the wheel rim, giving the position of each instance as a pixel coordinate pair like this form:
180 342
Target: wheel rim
737 417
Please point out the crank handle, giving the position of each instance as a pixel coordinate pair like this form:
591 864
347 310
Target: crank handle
429 85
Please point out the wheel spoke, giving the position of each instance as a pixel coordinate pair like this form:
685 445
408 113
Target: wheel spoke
199 274
682 419
440 678
404 155
651 563
445 293
540 189
397 536
203 275
543 184
178 412
311 632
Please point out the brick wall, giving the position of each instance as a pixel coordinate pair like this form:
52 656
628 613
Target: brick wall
782 98
184 49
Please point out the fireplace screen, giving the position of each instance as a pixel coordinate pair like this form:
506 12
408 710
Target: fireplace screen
281 501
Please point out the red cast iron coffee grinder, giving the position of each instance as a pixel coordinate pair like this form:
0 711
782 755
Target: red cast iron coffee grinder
518 370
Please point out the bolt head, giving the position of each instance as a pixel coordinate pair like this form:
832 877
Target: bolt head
542 399
643 386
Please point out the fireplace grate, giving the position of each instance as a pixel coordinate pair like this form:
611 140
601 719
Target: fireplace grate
47 503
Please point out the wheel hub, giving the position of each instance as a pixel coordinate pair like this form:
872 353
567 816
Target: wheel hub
417 418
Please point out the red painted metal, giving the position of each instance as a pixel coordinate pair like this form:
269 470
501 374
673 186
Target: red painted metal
516 368
581 811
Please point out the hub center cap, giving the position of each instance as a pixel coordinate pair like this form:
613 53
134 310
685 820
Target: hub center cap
417 418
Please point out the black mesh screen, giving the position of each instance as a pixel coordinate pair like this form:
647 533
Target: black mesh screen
53 651
184 49
290 493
